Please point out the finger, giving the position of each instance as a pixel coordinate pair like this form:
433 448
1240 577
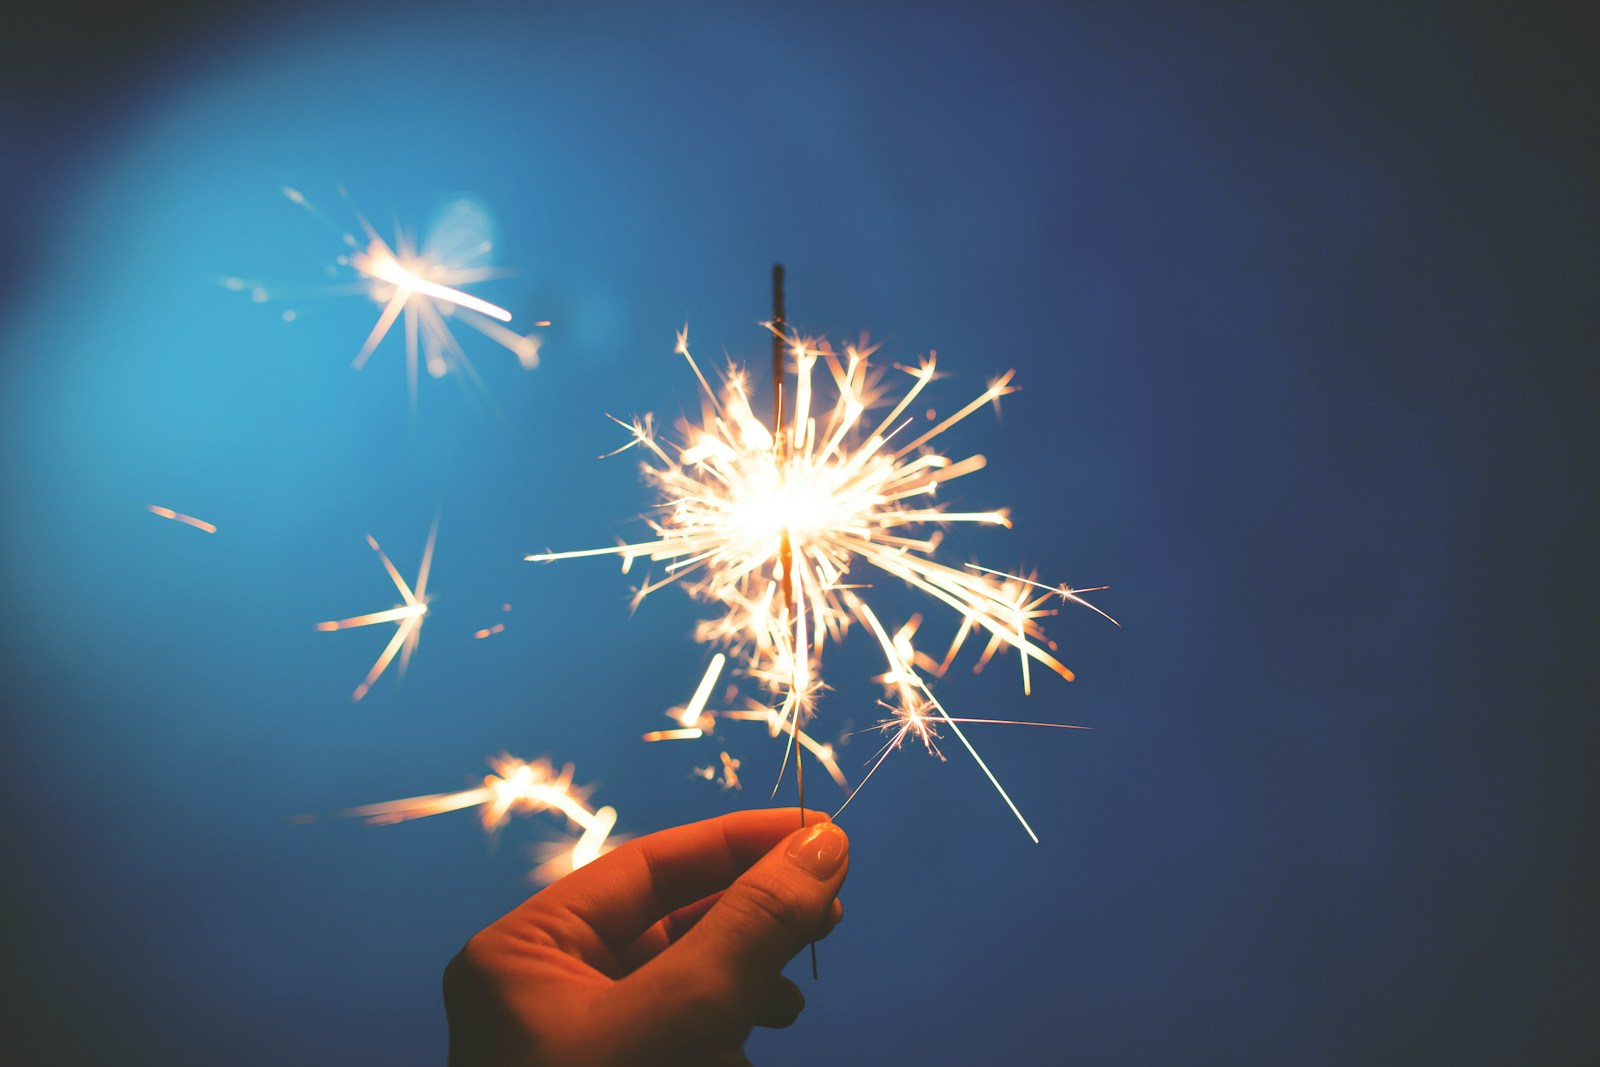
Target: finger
625 892
683 920
782 1006
652 941
717 974
834 918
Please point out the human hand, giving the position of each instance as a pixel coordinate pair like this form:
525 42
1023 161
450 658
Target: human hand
666 950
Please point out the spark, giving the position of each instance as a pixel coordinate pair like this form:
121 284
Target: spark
1065 592
912 718
516 787
489 631
188 520
730 772
423 287
407 616
690 716
727 777
838 498
696 722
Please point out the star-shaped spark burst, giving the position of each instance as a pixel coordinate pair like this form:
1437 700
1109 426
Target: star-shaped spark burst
783 531
517 787
424 285
406 616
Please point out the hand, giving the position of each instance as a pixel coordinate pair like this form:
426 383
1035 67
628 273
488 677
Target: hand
666 950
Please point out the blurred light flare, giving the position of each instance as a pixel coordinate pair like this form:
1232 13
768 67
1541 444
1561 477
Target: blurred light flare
827 492
407 616
188 520
423 289
517 787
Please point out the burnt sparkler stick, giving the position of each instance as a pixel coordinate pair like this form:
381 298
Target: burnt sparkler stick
785 550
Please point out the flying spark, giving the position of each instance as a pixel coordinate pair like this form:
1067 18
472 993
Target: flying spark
424 288
406 616
516 787
695 721
188 520
833 498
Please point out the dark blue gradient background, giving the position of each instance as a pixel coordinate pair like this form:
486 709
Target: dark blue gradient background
1303 308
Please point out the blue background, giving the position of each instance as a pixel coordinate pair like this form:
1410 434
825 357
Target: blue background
1303 308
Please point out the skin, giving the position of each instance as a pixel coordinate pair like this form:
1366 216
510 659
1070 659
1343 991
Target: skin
667 950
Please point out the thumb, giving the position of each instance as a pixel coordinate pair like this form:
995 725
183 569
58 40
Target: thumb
725 965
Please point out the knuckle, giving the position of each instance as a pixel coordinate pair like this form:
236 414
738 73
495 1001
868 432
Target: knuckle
469 966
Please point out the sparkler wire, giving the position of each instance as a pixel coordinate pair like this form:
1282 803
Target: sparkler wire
785 548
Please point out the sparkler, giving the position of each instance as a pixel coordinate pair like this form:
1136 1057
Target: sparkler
746 515
425 286
407 616
516 787
187 520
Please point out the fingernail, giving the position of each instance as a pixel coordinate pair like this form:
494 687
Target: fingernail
820 850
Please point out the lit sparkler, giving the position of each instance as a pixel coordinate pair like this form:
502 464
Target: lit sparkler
406 616
744 512
516 787
423 287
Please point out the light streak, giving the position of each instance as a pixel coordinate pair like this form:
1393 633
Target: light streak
838 498
517 787
697 722
188 520
913 719
423 288
407 616
690 715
